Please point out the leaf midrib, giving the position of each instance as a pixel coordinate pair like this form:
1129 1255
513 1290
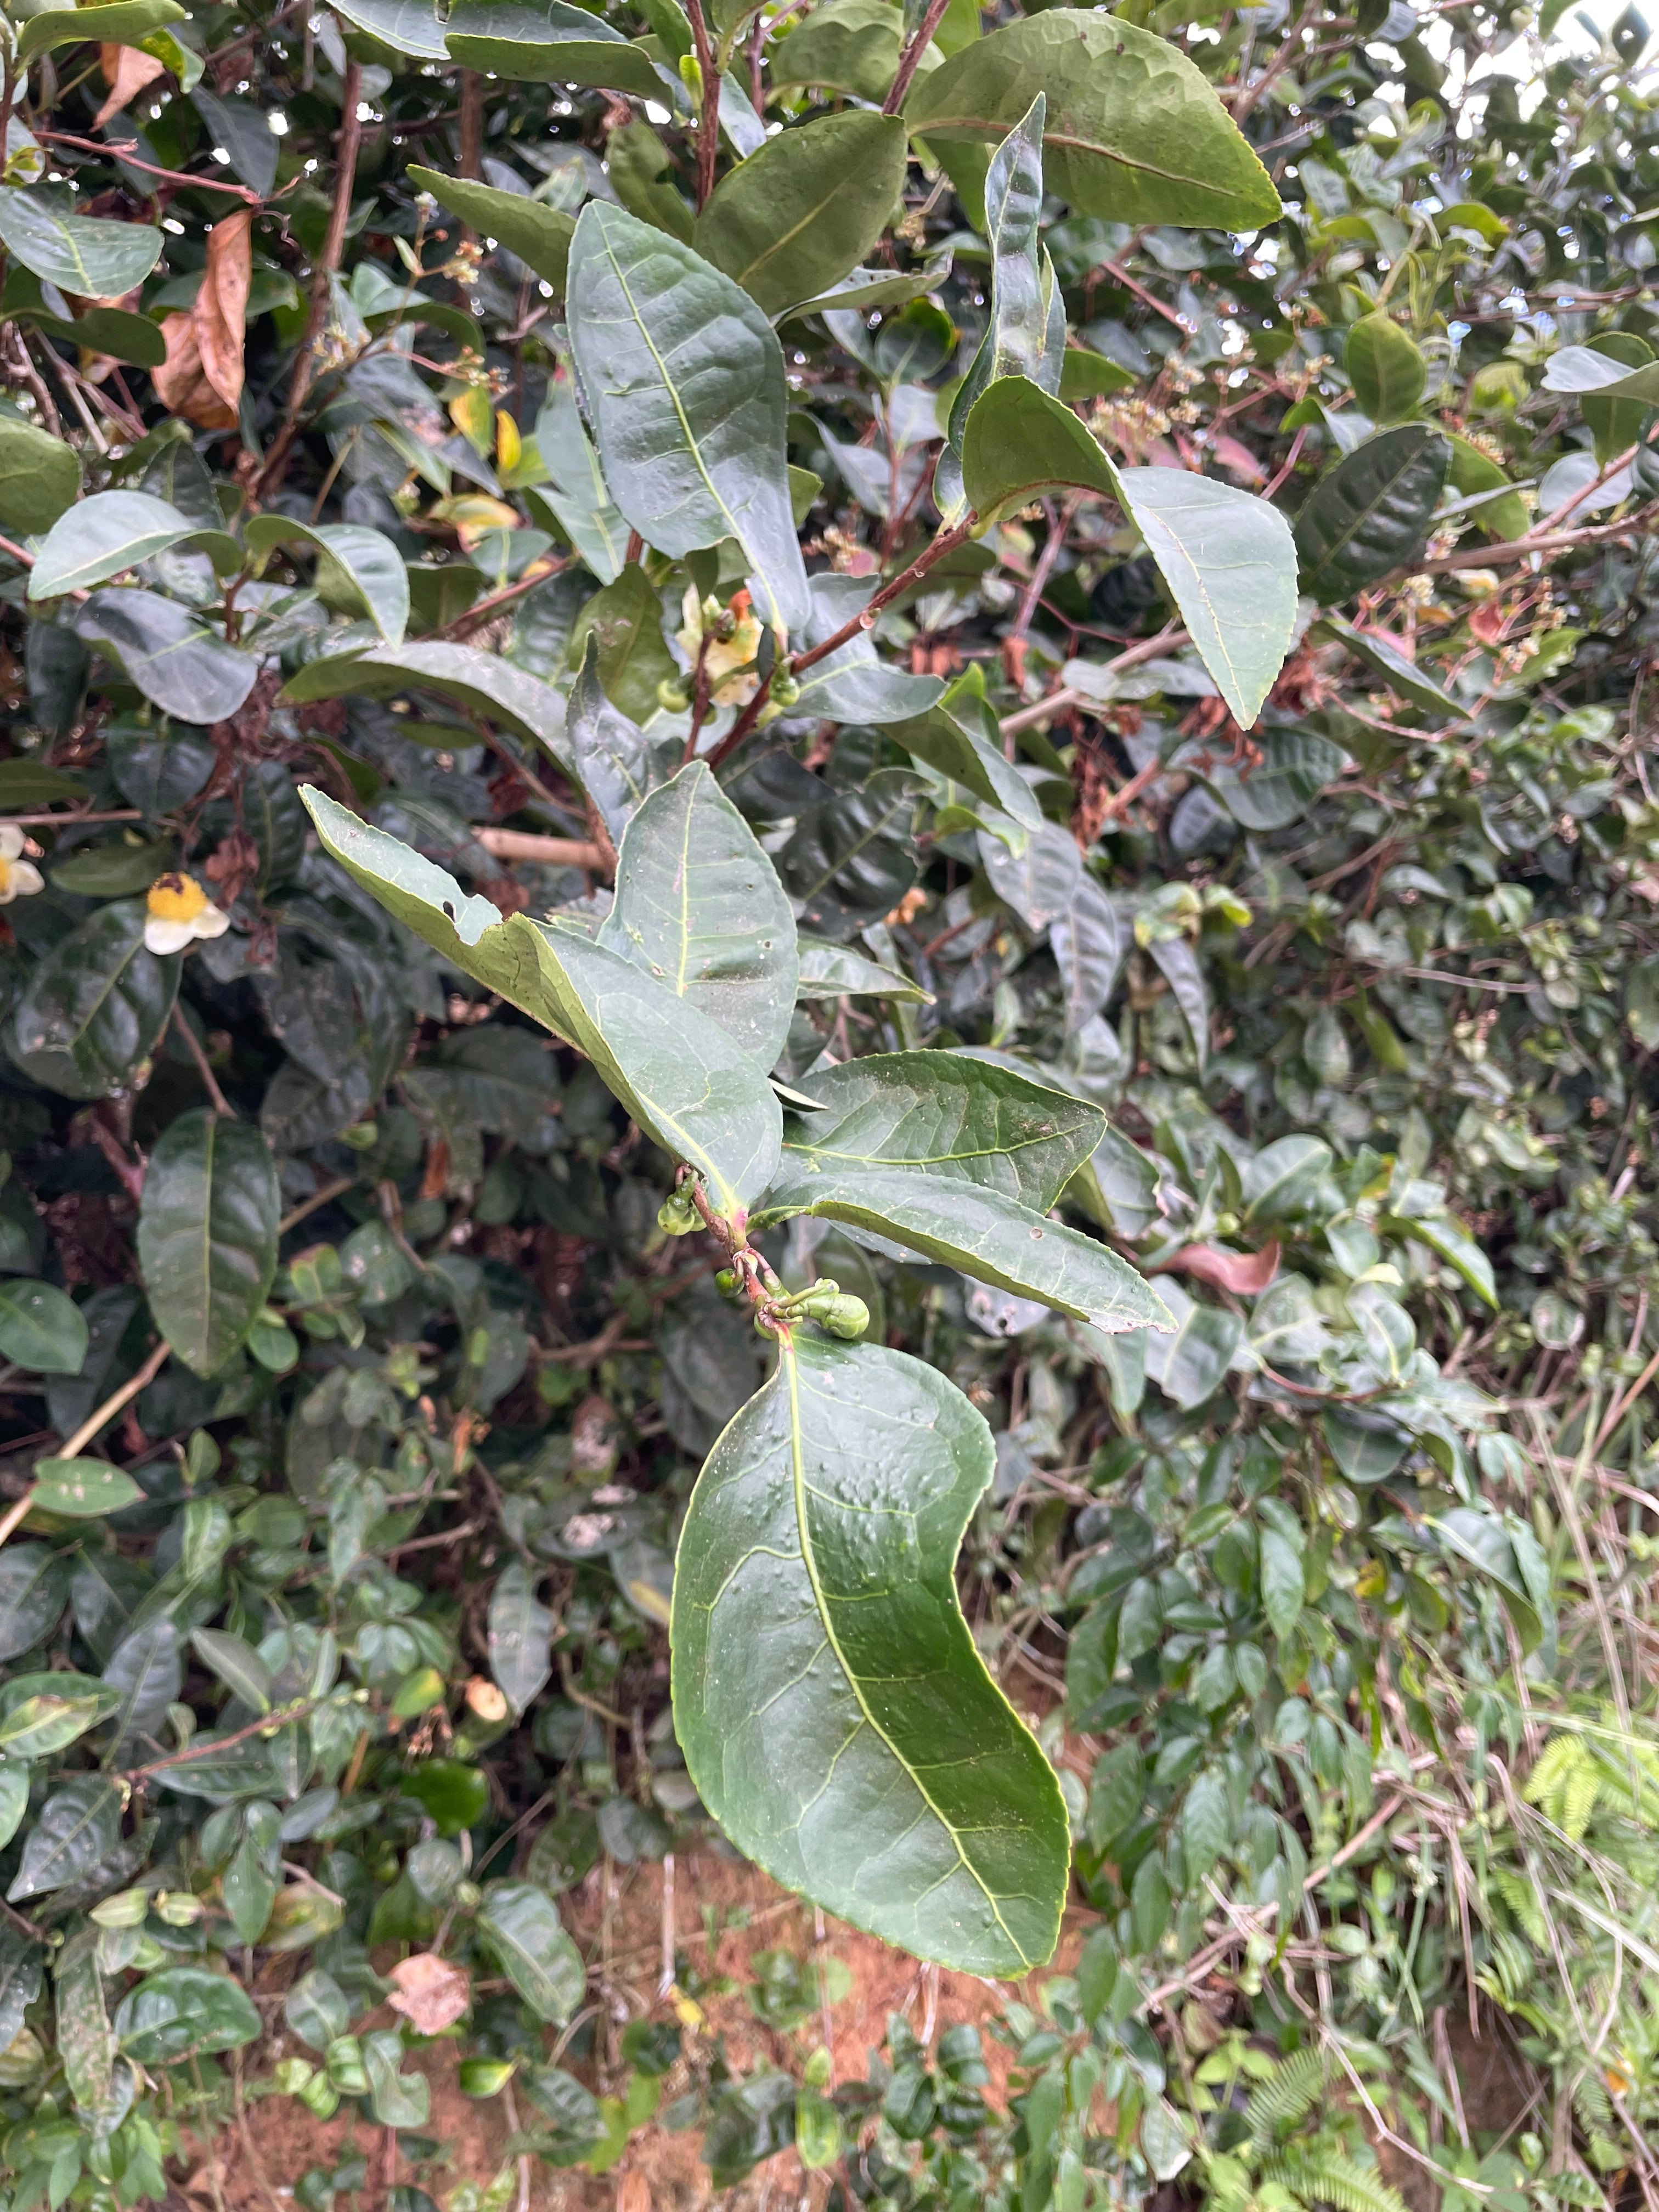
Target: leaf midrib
797 1480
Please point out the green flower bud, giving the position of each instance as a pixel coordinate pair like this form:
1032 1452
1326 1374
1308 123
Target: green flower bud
177 1907
320 2097
786 688
671 698
691 76
126 1909
293 2075
678 1216
729 1283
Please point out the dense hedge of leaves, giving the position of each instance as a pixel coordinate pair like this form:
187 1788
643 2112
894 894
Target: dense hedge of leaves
1094 562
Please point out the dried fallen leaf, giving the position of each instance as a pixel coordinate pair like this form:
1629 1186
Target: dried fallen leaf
202 378
1244 1273
431 1994
127 70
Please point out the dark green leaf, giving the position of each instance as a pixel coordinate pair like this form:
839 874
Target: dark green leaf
120 23
75 1829
175 660
616 762
790 221
521 1635
184 2012
540 235
482 681
39 475
100 537
1133 131
819 1546
1370 513
91 260
1385 368
207 1235
554 43
700 907
368 559
522 1927
33 1586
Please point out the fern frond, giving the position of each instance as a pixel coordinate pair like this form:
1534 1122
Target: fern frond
1330 2179
1286 2096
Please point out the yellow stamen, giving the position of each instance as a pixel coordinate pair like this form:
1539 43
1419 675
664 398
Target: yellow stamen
176 898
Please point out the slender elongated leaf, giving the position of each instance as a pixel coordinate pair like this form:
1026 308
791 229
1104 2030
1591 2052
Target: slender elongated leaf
369 561
176 660
82 1489
33 1586
792 220
22 1961
1370 513
834 1715
947 739
1388 661
91 259
100 537
408 26
1026 334
682 377
540 235
1133 131
521 1925
39 475
237 1664
699 906
146 1670
481 681
86 2043
554 43
974 1229
681 1077
521 1635
618 765
834 971
95 1007
863 289
580 503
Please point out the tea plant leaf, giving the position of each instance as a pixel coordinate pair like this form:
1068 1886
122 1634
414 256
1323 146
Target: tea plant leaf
207 1235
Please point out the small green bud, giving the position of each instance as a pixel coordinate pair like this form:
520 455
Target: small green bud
678 1216
846 1316
294 2075
729 1283
484 2077
671 698
320 2097
467 1895
344 2060
691 76
785 688
177 1907
361 1136
126 1909
711 610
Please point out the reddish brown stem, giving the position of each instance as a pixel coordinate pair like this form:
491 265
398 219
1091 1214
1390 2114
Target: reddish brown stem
131 161
910 60
708 121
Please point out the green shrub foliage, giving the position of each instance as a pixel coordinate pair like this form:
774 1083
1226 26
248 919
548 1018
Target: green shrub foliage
829 982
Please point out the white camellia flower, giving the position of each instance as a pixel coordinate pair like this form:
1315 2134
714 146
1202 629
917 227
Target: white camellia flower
19 878
179 912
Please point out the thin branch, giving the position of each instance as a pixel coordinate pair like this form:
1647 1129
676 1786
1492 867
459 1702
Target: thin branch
709 119
131 161
557 852
100 1418
209 1081
910 60
1057 703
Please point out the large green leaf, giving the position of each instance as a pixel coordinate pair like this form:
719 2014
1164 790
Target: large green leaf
39 476
948 1115
483 682
207 1235
946 738
176 660
121 23
1228 557
1370 513
795 217
538 234
699 906
687 1084
100 537
552 43
521 1925
95 1007
368 559
34 1584
853 46
683 377
834 1715
408 26
91 259
1133 131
